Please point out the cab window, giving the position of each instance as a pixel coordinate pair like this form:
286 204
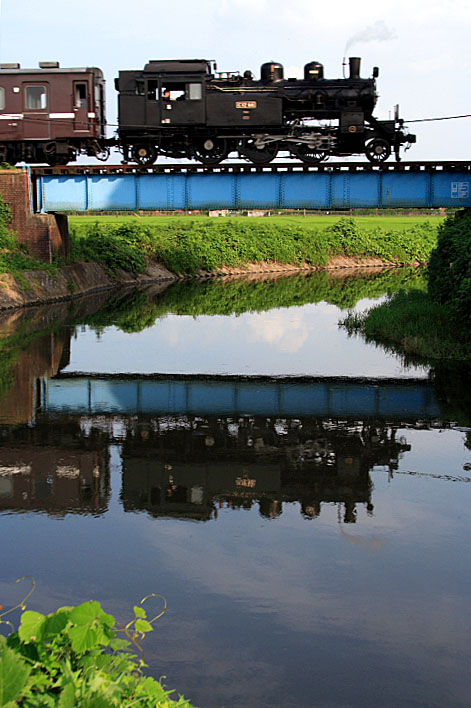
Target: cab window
195 92
172 91
2 98
36 97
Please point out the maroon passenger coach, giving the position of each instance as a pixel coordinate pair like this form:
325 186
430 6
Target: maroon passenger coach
51 114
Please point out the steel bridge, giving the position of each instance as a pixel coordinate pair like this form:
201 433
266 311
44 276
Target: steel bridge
333 397
241 186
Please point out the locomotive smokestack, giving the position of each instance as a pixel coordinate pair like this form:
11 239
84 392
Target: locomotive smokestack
354 67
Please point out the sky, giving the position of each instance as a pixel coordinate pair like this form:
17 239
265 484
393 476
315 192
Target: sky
420 47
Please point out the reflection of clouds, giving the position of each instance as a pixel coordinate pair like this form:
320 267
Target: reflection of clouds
304 340
326 596
369 544
396 596
287 329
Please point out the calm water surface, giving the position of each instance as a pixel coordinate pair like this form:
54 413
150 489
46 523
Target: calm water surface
309 559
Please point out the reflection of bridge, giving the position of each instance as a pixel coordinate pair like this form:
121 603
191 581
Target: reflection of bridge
234 396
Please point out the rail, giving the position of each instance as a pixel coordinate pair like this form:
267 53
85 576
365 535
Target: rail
244 167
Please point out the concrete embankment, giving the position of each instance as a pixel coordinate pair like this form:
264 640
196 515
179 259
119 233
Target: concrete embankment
39 286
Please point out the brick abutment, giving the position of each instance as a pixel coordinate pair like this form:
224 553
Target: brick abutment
46 235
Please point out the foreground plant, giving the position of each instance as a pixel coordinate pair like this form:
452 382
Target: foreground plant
74 658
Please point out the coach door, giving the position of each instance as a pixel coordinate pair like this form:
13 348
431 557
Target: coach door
81 107
36 124
181 102
5 120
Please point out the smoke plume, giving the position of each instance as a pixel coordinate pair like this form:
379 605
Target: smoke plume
378 32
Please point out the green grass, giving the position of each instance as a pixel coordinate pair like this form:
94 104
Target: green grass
319 221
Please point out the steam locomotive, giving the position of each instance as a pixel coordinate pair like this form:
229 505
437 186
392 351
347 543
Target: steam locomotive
187 109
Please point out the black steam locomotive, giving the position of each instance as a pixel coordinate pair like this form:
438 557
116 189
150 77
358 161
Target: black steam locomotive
186 109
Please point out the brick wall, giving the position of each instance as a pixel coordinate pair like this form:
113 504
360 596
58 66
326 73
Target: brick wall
45 234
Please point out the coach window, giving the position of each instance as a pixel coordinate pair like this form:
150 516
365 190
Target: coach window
2 99
36 97
80 95
195 92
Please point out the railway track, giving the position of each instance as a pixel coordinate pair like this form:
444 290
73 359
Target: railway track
242 167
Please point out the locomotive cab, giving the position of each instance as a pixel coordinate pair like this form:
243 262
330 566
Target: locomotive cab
164 93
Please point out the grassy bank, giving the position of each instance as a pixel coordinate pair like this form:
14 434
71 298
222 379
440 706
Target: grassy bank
413 325
187 246
431 324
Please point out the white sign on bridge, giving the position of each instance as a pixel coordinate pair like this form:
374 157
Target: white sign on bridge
459 190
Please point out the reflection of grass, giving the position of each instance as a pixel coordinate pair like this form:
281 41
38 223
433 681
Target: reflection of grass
135 312
415 326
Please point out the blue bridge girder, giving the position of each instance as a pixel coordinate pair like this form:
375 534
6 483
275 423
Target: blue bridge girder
237 186
77 394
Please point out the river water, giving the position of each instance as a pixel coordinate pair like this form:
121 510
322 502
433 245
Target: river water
301 498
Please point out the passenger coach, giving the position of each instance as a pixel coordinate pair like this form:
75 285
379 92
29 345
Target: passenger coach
51 114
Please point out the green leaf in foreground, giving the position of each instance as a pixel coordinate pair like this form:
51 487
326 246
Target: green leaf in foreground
86 613
14 673
143 626
67 697
32 626
83 638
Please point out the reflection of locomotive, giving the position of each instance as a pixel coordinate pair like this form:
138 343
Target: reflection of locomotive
185 109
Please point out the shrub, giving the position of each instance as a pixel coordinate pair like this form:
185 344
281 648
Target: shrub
126 246
74 658
449 273
186 246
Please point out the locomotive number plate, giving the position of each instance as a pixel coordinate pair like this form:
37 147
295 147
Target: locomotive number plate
246 104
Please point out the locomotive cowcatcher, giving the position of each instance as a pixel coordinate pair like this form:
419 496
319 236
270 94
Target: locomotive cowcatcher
51 114
186 109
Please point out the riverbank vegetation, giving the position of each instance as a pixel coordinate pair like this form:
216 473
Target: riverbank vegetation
431 324
190 246
79 656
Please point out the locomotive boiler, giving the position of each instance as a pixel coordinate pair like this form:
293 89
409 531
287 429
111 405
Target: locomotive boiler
186 109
